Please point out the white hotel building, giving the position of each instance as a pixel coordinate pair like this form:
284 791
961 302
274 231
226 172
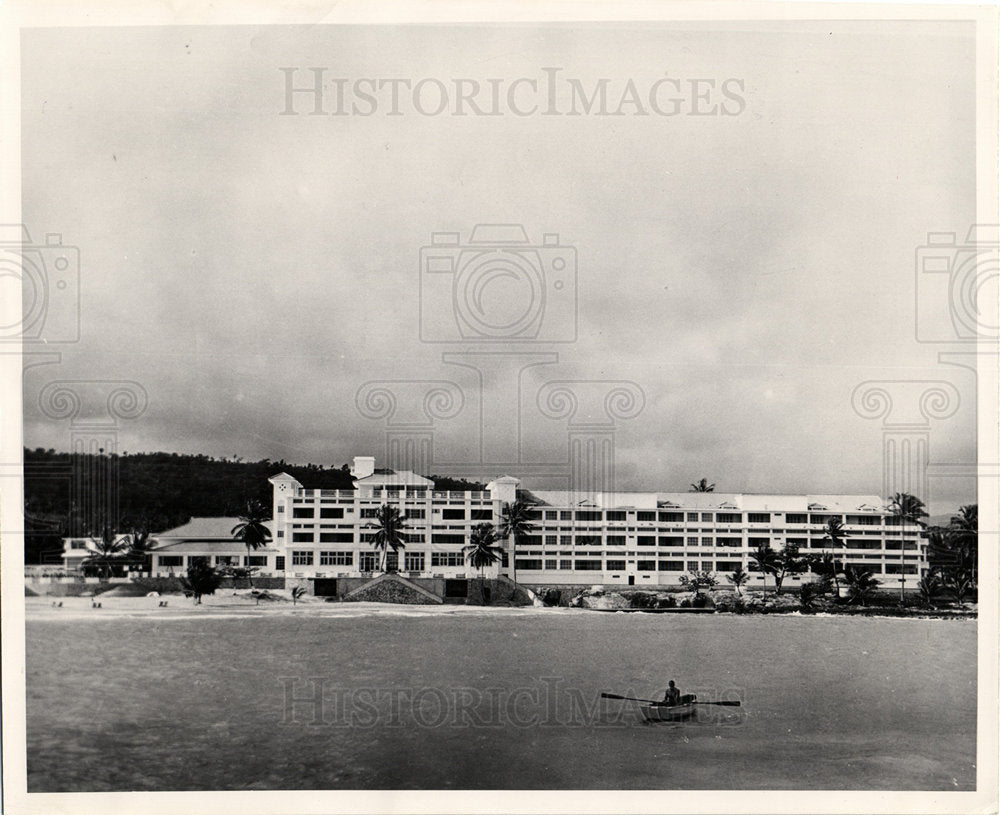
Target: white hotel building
645 539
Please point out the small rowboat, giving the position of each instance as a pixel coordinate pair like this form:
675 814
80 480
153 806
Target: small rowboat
659 712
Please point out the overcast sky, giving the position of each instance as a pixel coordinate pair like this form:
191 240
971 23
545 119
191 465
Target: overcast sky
746 270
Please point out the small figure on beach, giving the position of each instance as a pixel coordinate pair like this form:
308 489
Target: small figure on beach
672 695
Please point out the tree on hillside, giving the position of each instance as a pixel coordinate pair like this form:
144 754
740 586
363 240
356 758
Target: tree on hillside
515 523
702 486
252 530
106 550
907 509
388 525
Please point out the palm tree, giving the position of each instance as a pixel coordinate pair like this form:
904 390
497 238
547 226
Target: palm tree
388 525
106 550
139 549
251 529
738 578
515 523
482 549
860 582
767 561
702 486
963 535
834 532
908 509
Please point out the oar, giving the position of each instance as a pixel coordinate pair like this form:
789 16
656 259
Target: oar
725 703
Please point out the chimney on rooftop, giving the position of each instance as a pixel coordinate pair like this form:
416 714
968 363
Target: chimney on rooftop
364 466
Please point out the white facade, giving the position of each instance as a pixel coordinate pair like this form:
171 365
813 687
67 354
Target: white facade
642 539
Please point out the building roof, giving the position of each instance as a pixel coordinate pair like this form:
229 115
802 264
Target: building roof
215 547
206 529
751 502
404 478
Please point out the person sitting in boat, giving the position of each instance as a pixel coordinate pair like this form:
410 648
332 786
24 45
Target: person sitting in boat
672 696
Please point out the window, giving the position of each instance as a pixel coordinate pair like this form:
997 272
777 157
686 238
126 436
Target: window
329 558
706 517
692 517
551 540
616 566
759 517
645 516
532 540
255 560
366 562
646 565
528 564
551 515
730 542
446 538
279 563
588 565
670 517
413 514
281 508
706 541
565 540
586 515
727 565
588 540
480 514
551 564
447 559
453 514
616 540
862 520
672 540
671 565
281 533
302 537
171 560
303 512
226 560
368 512
565 515
730 518
796 518
755 542
615 515
331 512
414 561
336 537
392 561
301 557
78 545
646 540
565 564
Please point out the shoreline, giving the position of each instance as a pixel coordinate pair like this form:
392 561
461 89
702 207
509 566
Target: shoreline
44 609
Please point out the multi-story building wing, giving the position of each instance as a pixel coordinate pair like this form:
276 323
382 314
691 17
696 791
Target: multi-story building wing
628 538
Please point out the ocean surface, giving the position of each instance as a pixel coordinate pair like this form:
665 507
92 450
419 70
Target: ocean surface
497 700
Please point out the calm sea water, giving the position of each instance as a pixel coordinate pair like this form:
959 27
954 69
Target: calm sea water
501 701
